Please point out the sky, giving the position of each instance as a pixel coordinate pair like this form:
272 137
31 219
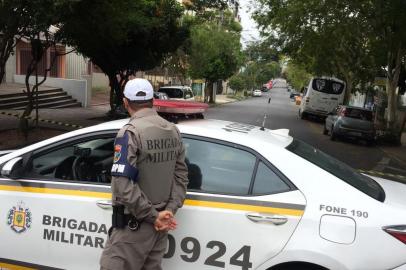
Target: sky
250 30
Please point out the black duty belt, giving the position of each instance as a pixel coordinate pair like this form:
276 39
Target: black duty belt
121 220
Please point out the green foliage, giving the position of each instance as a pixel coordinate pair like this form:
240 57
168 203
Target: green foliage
215 53
14 19
296 76
123 36
237 82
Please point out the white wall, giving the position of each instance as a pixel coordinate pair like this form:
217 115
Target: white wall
100 80
76 88
76 65
10 68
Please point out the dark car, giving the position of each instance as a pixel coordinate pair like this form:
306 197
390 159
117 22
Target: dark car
350 122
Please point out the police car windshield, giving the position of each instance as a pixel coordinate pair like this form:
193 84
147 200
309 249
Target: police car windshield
338 169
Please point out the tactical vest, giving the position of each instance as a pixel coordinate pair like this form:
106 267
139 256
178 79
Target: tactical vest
158 143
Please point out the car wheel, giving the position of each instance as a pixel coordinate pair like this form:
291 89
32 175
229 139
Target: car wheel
333 135
325 131
302 115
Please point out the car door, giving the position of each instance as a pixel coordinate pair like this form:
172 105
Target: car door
57 213
239 211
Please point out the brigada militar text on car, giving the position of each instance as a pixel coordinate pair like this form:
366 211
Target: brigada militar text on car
257 199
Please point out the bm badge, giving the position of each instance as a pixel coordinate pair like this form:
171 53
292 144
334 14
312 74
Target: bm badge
19 218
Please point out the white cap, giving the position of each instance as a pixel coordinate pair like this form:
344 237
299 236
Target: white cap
138 90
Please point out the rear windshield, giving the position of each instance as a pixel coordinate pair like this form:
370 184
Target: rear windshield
338 169
358 114
328 86
172 92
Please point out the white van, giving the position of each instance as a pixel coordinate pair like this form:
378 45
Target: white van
321 96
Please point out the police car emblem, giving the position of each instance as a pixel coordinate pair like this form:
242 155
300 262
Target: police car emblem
19 218
117 153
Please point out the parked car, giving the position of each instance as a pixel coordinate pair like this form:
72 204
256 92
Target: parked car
256 200
257 93
351 122
178 92
161 95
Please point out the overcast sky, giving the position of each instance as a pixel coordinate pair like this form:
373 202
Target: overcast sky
250 30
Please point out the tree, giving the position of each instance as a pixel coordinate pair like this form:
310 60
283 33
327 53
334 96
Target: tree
41 35
122 37
236 82
13 20
215 55
350 39
326 38
296 75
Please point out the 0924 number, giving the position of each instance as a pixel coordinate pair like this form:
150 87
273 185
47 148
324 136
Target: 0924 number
191 249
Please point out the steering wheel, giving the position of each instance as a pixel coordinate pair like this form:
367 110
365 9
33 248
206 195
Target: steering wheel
64 169
76 172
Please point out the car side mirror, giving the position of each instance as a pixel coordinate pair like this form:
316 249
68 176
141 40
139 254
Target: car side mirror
12 168
187 96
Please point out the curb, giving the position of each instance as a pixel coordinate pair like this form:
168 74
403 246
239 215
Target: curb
43 120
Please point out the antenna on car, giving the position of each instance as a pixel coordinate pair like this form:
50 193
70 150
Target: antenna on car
265 116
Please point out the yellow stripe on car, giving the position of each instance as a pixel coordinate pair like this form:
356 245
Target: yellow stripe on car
189 202
245 207
56 191
14 267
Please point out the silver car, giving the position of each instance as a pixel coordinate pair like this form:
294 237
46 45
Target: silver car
350 122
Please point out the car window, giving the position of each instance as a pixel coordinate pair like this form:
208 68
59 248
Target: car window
172 92
88 161
358 114
267 182
328 86
218 168
188 92
338 169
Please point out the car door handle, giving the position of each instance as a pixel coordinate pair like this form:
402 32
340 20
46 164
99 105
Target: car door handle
104 204
275 219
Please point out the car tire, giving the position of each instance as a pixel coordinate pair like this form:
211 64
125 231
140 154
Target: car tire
333 135
302 115
325 130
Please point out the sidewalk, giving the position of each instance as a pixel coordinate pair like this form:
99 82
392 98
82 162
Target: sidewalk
397 152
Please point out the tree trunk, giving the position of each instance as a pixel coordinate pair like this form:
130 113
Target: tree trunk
348 90
116 97
394 64
209 92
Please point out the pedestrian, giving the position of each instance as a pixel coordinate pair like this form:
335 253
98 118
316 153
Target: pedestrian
149 180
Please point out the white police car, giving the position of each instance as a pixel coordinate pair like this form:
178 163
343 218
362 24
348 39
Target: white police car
256 200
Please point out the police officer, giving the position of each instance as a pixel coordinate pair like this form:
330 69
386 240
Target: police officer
149 180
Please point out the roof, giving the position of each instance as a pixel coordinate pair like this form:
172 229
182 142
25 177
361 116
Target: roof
238 133
175 86
221 130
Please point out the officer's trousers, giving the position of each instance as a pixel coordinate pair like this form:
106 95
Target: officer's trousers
134 250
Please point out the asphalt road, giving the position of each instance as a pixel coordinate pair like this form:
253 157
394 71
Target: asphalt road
283 113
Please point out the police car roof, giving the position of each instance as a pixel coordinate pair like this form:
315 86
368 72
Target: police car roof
222 130
238 133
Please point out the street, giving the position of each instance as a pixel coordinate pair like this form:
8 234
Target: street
283 113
